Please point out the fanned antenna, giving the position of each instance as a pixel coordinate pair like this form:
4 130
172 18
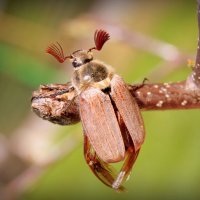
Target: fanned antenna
100 37
57 52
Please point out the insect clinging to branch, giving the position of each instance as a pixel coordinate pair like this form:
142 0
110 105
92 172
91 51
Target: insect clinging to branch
111 119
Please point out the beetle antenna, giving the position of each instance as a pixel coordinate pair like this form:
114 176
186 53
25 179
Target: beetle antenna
57 52
100 37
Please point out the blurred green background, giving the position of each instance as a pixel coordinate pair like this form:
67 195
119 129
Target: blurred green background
39 160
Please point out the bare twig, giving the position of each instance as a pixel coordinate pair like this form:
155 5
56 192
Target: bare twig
193 81
160 96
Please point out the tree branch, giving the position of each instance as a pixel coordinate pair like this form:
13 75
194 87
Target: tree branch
193 81
50 104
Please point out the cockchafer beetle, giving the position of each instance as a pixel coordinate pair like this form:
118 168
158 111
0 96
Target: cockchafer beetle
111 119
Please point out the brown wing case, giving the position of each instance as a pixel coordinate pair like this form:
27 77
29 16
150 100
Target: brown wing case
129 111
100 125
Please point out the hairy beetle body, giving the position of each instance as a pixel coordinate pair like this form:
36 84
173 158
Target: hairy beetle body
111 120
92 74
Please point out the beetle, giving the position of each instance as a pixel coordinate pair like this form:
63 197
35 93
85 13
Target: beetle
112 124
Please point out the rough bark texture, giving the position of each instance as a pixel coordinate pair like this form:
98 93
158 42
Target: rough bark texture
53 103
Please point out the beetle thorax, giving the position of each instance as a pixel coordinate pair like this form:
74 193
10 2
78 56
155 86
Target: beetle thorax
92 74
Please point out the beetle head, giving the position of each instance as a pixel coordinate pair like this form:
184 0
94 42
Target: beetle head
79 57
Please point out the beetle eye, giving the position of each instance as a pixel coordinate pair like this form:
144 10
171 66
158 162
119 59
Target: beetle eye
75 63
87 60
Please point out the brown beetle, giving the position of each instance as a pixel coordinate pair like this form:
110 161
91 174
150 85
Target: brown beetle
111 120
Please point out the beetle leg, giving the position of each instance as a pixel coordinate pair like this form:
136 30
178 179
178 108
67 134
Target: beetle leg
103 171
125 171
130 157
